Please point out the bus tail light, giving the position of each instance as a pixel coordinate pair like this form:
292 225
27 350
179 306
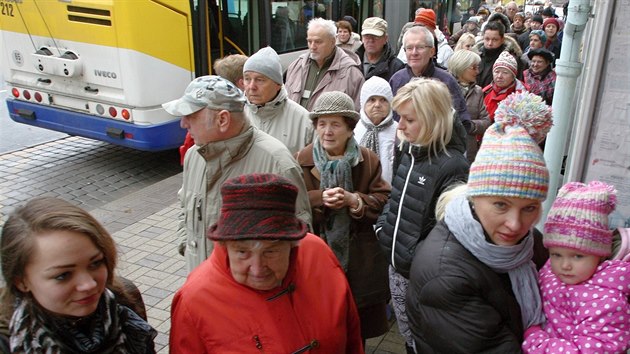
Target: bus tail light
27 95
38 97
15 92
113 112
125 114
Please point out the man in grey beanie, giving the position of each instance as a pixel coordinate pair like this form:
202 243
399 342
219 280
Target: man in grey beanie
226 146
268 106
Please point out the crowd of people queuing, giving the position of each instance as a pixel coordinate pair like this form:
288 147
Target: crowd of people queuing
366 177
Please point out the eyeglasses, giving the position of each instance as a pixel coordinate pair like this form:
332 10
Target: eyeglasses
417 48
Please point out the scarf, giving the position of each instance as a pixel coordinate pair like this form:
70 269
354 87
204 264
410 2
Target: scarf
515 260
112 328
370 138
337 173
541 76
465 87
500 90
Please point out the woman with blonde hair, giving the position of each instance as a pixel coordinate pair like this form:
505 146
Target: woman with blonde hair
466 41
472 282
464 66
429 159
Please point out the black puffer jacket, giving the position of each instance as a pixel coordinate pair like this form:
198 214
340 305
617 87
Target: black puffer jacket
460 305
417 183
388 65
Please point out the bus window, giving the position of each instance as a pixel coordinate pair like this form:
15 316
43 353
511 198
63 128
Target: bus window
284 28
289 21
235 14
227 31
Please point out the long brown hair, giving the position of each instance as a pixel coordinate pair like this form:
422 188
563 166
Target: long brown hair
37 217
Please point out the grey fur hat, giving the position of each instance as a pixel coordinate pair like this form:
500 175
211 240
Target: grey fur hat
334 103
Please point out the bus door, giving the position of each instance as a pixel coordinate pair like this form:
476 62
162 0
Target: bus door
220 28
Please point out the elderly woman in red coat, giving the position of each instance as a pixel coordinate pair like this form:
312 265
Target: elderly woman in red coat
269 286
504 82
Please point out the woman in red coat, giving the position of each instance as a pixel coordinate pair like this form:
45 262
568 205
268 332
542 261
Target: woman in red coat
269 286
504 82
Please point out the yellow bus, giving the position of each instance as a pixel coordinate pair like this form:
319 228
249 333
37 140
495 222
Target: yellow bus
102 68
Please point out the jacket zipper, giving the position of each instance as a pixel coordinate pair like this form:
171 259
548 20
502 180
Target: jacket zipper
400 204
289 289
314 344
198 207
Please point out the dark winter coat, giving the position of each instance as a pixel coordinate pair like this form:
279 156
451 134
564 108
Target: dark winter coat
523 40
387 66
417 183
462 305
554 45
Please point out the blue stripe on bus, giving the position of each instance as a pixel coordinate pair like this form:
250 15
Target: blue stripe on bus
155 137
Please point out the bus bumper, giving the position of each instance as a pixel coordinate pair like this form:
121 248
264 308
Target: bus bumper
155 137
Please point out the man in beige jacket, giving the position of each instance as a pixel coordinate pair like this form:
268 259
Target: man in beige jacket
226 146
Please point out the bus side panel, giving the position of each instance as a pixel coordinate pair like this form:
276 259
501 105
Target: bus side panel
155 137
148 81
158 30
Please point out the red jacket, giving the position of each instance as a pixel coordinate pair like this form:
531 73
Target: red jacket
313 308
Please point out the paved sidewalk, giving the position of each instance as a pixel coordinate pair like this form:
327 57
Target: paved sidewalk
144 225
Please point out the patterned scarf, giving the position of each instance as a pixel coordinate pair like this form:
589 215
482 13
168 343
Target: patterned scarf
112 328
370 138
337 173
515 260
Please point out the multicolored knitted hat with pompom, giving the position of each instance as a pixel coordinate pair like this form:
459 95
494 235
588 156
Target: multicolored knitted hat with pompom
578 218
509 162
527 110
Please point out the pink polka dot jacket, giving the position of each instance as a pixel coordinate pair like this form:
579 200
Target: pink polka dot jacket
591 317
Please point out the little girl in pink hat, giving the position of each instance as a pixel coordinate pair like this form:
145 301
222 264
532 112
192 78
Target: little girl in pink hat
585 297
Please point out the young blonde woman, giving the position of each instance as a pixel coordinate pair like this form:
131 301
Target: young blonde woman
429 159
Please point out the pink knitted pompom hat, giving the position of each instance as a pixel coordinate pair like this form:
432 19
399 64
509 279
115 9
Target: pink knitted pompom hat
578 218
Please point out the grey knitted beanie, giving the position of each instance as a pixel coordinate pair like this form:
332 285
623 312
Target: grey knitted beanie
267 62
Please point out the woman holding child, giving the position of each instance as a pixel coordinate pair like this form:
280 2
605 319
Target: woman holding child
472 285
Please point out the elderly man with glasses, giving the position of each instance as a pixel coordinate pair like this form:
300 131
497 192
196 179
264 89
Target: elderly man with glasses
419 48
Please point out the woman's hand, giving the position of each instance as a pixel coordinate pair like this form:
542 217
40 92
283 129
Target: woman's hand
337 198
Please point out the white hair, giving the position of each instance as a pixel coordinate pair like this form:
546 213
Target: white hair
428 36
328 25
